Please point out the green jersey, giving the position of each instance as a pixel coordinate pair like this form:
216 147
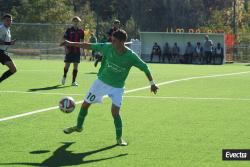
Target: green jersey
115 67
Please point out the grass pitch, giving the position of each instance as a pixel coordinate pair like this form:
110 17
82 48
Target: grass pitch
187 123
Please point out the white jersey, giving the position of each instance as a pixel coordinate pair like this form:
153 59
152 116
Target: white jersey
218 51
198 50
4 36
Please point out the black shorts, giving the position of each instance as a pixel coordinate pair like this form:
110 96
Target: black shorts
4 57
72 58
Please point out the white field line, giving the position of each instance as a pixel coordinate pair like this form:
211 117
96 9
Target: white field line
129 91
189 98
39 93
187 79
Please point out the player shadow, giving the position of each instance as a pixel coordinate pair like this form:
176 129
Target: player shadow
90 73
47 88
62 157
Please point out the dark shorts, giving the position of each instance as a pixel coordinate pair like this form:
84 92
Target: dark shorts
72 58
4 57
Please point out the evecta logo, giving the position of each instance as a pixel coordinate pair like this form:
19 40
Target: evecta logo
235 154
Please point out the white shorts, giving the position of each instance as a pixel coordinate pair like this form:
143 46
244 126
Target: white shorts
100 89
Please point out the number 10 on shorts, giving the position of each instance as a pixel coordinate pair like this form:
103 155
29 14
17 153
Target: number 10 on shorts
91 97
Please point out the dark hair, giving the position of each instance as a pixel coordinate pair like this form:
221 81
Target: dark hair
7 16
120 34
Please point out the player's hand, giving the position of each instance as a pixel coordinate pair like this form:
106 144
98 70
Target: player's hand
98 56
12 42
65 43
154 88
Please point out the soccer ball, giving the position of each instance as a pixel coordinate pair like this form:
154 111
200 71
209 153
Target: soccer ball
67 104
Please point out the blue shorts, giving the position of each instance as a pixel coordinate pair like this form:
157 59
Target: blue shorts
72 58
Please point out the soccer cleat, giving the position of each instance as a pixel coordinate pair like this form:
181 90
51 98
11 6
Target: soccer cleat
121 142
72 129
74 84
63 80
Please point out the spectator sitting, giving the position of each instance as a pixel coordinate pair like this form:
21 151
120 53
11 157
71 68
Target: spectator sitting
188 53
219 52
198 53
175 53
156 50
166 53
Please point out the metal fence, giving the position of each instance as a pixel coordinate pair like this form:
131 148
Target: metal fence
37 40
242 53
41 40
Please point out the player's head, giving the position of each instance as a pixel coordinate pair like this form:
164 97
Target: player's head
116 24
75 21
7 20
206 37
119 37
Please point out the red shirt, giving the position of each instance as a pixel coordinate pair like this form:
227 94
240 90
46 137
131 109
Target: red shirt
74 35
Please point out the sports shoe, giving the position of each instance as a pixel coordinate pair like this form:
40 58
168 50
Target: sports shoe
121 142
72 129
63 80
74 84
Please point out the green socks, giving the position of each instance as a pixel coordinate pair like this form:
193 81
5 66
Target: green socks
117 121
82 114
118 126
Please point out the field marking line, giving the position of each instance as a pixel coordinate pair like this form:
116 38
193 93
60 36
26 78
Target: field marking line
39 93
129 91
190 78
189 98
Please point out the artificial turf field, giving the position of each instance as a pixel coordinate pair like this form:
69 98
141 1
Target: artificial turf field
198 111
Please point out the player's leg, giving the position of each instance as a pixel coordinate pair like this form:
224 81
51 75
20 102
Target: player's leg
65 71
116 96
74 74
210 58
221 58
82 114
12 69
80 119
98 58
95 95
118 125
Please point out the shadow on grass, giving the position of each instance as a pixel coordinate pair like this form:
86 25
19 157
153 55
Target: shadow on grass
47 88
62 157
90 73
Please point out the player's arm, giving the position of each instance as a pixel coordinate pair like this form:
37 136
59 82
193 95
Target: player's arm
153 86
143 67
83 45
12 42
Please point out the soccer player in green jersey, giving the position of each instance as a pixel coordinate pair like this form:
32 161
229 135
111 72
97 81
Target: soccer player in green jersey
117 61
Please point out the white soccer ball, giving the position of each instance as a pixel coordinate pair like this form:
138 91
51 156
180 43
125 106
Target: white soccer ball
67 104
